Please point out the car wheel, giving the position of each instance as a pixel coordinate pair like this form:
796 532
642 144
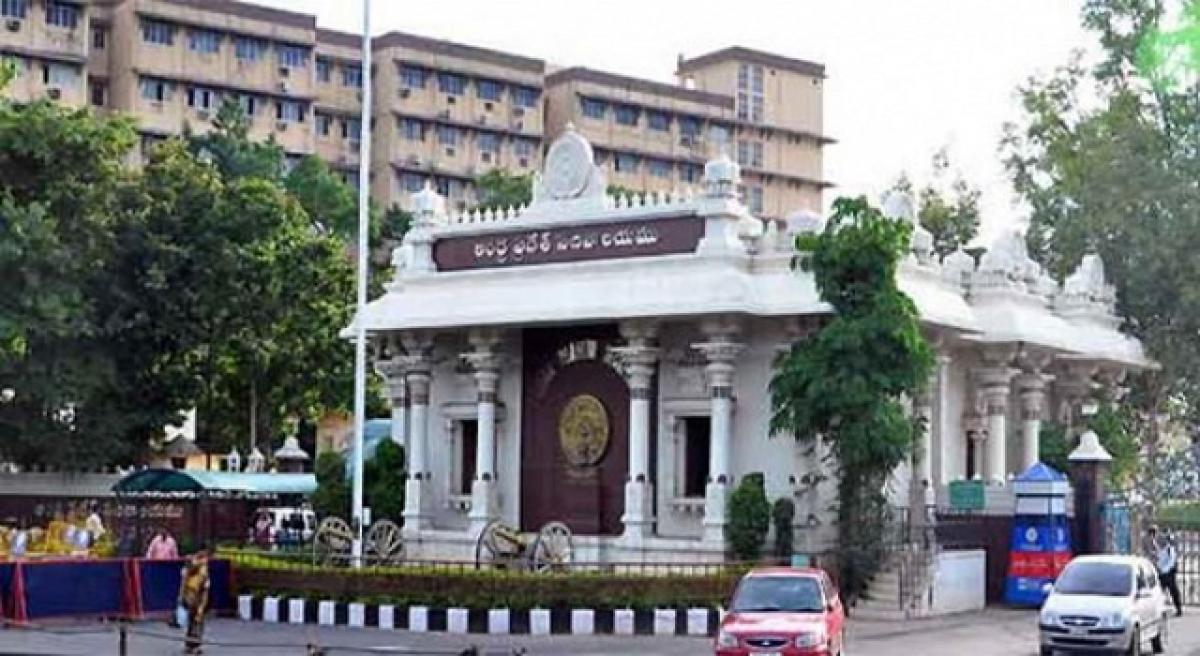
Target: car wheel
1135 642
1046 651
1159 643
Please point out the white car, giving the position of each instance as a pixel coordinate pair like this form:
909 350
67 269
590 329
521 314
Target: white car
1111 604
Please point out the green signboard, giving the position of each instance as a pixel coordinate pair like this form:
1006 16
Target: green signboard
966 495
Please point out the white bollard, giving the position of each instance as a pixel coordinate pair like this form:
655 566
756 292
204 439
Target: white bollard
539 621
457 620
664 621
623 623
697 621
326 612
418 619
271 609
245 604
583 621
356 615
296 611
499 621
387 617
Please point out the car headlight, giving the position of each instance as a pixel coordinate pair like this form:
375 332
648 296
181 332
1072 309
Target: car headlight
726 639
810 640
1049 618
1114 620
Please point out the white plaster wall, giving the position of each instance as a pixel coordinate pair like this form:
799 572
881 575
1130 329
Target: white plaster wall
754 449
681 390
959 582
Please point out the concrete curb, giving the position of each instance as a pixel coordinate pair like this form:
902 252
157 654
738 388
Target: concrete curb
495 621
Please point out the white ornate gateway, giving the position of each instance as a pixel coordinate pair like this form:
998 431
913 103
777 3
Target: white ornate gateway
604 361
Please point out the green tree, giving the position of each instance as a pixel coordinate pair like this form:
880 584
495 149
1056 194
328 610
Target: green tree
951 215
749 518
332 498
846 382
498 189
331 204
229 148
383 478
1107 158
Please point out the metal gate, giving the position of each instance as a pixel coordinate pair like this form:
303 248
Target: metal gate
1187 545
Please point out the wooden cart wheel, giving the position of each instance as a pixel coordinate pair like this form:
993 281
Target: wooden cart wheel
385 545
487 546
333 541
552 549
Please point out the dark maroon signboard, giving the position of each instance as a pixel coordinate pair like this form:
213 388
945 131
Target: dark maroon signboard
679 234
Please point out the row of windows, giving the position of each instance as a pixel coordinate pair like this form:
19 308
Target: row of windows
448 135
352 75
630 163
54 74
630 115
204 98
59 14
350 128
246 48
415 77
750 153
750 95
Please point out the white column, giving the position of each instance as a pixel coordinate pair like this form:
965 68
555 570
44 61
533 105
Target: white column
941 422
416 489
486 363
639 358
393 373
1031 387
722 353
921 494
994 383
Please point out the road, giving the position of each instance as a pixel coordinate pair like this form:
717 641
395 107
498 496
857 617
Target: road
991 633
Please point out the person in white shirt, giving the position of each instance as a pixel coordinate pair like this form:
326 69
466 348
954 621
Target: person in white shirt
1166 559
95 525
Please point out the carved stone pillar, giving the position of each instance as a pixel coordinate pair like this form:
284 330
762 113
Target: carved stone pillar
994 381
394 374
1031 387
417 363
640 359
485 360
721 352
940 428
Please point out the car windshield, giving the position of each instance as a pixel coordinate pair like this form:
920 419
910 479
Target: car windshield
793 594
1100 579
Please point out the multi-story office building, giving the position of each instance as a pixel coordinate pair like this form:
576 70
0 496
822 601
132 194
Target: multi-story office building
764 109
444 112
448 113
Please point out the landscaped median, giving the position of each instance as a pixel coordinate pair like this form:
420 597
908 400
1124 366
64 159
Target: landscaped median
460 599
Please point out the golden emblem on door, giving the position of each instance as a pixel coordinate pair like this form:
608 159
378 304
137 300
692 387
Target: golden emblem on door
583 430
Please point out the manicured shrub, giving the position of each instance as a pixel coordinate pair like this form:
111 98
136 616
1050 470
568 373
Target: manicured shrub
783 513
749 518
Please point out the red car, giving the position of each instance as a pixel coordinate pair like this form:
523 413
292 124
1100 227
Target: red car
783 611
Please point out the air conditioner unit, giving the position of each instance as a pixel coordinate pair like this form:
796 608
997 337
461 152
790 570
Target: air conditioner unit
284 71
482 120
524 162
518 125
450 152
343 159
487 106
284 87
54 93
450 100
404 93
202 114
414 160
13 25
485 157
445 113
281 126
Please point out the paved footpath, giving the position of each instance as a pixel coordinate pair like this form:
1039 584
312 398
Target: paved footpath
991 633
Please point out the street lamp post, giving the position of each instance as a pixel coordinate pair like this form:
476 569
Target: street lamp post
360 329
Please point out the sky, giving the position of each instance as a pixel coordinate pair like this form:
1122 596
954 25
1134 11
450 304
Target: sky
906 78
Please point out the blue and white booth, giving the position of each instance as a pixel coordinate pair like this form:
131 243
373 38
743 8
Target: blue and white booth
1041 534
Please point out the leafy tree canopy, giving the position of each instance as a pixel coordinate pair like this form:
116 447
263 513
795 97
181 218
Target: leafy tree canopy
846 382
1106 159
950 212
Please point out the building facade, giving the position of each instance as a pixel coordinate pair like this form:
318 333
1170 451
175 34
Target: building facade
629 394
444 112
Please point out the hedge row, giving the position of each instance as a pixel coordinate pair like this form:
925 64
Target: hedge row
486 588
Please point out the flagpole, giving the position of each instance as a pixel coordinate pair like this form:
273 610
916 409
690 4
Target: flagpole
360 330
